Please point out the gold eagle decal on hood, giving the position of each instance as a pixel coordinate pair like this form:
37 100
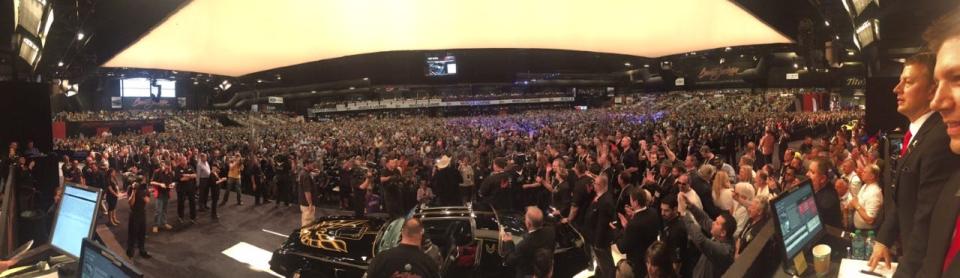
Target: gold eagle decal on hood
329 235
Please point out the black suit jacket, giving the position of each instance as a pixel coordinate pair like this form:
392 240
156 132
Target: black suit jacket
599 216
523 255
642 230
941 232
909 201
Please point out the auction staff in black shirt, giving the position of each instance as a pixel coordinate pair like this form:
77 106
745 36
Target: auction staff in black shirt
405 260
137 229
187 192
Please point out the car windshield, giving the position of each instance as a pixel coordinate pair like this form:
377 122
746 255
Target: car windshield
390 236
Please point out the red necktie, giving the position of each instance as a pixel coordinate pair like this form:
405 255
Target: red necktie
906 143
954 246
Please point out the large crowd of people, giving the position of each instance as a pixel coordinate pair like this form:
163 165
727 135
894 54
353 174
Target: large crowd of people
585 168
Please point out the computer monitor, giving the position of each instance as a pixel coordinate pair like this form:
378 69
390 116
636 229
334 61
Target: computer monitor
97 261
76 218
797 219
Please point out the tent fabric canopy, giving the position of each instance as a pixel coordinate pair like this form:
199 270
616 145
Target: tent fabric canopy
239 37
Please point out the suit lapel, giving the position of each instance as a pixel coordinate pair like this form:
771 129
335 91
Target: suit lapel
941 229
931 123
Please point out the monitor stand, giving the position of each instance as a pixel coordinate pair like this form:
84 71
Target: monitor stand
796 266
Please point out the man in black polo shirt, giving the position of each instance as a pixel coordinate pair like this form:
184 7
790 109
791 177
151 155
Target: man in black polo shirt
405 260
137 229
187 191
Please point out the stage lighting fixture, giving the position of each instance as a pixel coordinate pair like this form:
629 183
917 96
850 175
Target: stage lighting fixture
727 49
795 65
646 65
29 51
837 37
73 90
366 78
225 85
867 33
627 64
60 64
722 60
826 23
80 36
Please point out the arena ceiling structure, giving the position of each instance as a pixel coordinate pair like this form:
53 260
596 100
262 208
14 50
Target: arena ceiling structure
239 37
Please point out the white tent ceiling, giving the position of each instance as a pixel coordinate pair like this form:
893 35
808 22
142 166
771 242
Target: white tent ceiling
238 37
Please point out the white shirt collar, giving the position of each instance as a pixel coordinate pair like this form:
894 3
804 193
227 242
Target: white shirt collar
915 125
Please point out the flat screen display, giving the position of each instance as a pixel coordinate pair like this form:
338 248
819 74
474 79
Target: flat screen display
75 218
441 65
142 87
797 218
98 262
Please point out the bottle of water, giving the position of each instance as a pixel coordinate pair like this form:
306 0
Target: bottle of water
849 253
868 246
857 246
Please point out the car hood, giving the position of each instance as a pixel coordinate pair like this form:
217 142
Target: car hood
348 240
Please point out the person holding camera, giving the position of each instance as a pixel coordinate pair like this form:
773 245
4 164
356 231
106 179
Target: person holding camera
138 199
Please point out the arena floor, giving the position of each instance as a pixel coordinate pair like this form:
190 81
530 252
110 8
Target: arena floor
238 245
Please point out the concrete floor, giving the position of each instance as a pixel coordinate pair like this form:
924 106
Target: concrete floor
196 250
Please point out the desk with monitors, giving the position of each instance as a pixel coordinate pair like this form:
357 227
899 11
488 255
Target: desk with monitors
74 222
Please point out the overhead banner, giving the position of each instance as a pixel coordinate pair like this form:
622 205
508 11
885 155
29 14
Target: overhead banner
277 100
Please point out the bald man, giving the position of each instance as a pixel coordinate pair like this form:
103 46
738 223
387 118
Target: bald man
405 260
523 256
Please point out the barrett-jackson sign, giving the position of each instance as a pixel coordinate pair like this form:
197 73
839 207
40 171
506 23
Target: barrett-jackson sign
149 103
716 73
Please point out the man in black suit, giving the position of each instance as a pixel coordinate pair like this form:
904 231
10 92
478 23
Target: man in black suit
640 228
921 172
523 256
944 239
599 216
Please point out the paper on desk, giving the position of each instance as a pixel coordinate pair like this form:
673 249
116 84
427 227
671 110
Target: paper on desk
852 268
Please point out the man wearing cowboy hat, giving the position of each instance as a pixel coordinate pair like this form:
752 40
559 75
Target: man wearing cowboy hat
446 183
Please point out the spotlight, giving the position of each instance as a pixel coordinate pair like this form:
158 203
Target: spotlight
826 23
278 76
837 37
727 49
80 36
225 85
795 65
60 64
646 65
627 64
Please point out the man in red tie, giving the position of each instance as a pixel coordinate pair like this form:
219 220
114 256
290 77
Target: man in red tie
919 175
943 243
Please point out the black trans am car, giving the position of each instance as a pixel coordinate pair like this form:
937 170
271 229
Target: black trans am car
465 239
